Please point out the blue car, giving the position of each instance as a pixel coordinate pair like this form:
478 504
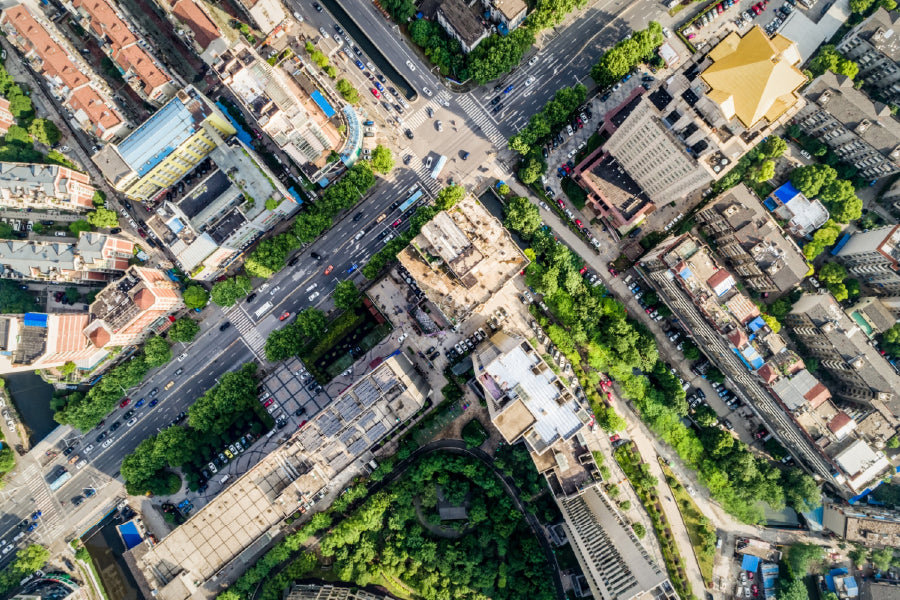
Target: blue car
379 86
361 66
153 402
139 403
352 268
32 527
508 90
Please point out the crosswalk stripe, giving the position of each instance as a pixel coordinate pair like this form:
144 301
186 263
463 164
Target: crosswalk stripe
248 331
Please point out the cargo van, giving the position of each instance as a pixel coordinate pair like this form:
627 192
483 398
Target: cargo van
225 477
627 280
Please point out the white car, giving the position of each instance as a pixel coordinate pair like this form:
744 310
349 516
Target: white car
81 464
428 162
313 296
212 468
530 80
274 289
411 66
8 549
544 205
533 60
182 356
131 421
323 31
426 91
88 448
107 443
402 337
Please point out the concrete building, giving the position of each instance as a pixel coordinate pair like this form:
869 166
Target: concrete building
173 141
461 258
615 564
29 185
42 341
267 14
861 132
860 524
7 119
861 375
95 257
803 215
327 591
252 509
462 22
67 76
872 257
752 242
191 19
754 78
128 310
872 316
526 399
862 464
282 108
508 14
874 47
139 68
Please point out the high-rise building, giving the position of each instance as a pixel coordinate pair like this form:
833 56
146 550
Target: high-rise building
615 564
859 373
128 310
862 133
873 46
28 185
872 257
173 141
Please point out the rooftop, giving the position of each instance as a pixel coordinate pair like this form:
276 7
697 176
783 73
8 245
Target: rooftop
194 17
803 215
754 77
46 181
882 32
464 20
861 463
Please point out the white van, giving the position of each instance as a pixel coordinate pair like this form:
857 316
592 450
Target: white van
225 477
627 280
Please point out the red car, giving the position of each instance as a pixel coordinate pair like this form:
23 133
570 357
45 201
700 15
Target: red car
561 203
375 93
328 269
124 402
614 438
609 395
396 223
583 270
302 423
613 272
172 318
578 223
286 314
269 402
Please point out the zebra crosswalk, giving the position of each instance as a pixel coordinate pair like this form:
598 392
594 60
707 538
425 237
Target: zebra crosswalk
50 522
418 165
247 329
482 119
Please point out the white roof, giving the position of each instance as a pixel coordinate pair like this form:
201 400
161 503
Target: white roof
861 463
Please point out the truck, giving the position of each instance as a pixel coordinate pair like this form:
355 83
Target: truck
438 167
60 480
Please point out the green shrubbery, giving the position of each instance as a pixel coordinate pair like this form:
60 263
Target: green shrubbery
619 60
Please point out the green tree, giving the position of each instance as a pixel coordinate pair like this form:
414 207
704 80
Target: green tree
521 216
812 178
226 293
882 558
310 224
382 161
184 330
157 351
30 559
888 4
800 555
102 218
832 272
639 530
345 295
76 227
503 189
794 589
311 323
800 490
859 6
449 196
17 136
283 343
772 322
72 294
195 296
705 416
400 10
858 555
347 91
773 147
44 131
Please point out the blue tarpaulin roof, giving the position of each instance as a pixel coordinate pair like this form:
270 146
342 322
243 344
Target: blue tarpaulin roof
320 100
295 195
35 320
756 324
770 204
130 535
241 132
750 563
786 192
841 243
685 273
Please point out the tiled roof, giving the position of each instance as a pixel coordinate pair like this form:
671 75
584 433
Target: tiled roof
135 58
6 117
189 13
106 23
97 111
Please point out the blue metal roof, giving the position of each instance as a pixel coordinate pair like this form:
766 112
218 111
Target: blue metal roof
320 100
750 563
158 137
786 192
841 243
35 320
756 324
241 132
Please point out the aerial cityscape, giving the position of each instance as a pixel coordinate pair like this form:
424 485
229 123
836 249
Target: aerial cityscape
449 299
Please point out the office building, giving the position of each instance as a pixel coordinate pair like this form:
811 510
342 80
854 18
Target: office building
95 257
29 185
253 508
462 22
129 53
615 564
754 78
285 111
861 132
129 309
7 119
803 215
327 591
870 526
752 242
860 374
461 258
871 256
873 46
173 141
526 399
69 78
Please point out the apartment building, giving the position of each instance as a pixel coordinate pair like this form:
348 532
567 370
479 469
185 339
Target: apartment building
173 141
266 14
752 242
873 45
128 51
7 119
861 132
508 14
615 564
860 524
30 185
285 111
872 257
95 257
462 22
803 215
68 78
44 341
128 310
190 18
860 374
872 315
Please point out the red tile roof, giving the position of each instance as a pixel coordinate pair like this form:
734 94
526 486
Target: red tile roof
97 111
768 373
77 186
134 58
205 31
70 333
839 421
6 117
100 337
817 396
106 23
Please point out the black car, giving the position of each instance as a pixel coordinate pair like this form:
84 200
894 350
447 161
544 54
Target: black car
154 392
496 100
433 356
312 383
129 414
69 450
114 426
604 97
646 78
316 255
380 78
224 325
251 298
77 500
338 29
115 230
317 6
407 159
102 437
293 261
357 216
300 411
498 108
408 133
465 155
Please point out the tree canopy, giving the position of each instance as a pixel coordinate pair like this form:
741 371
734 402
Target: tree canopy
184 330
522 215
195 296
229 291
382 161
345 294
624 56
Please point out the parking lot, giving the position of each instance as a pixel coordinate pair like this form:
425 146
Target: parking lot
719 19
